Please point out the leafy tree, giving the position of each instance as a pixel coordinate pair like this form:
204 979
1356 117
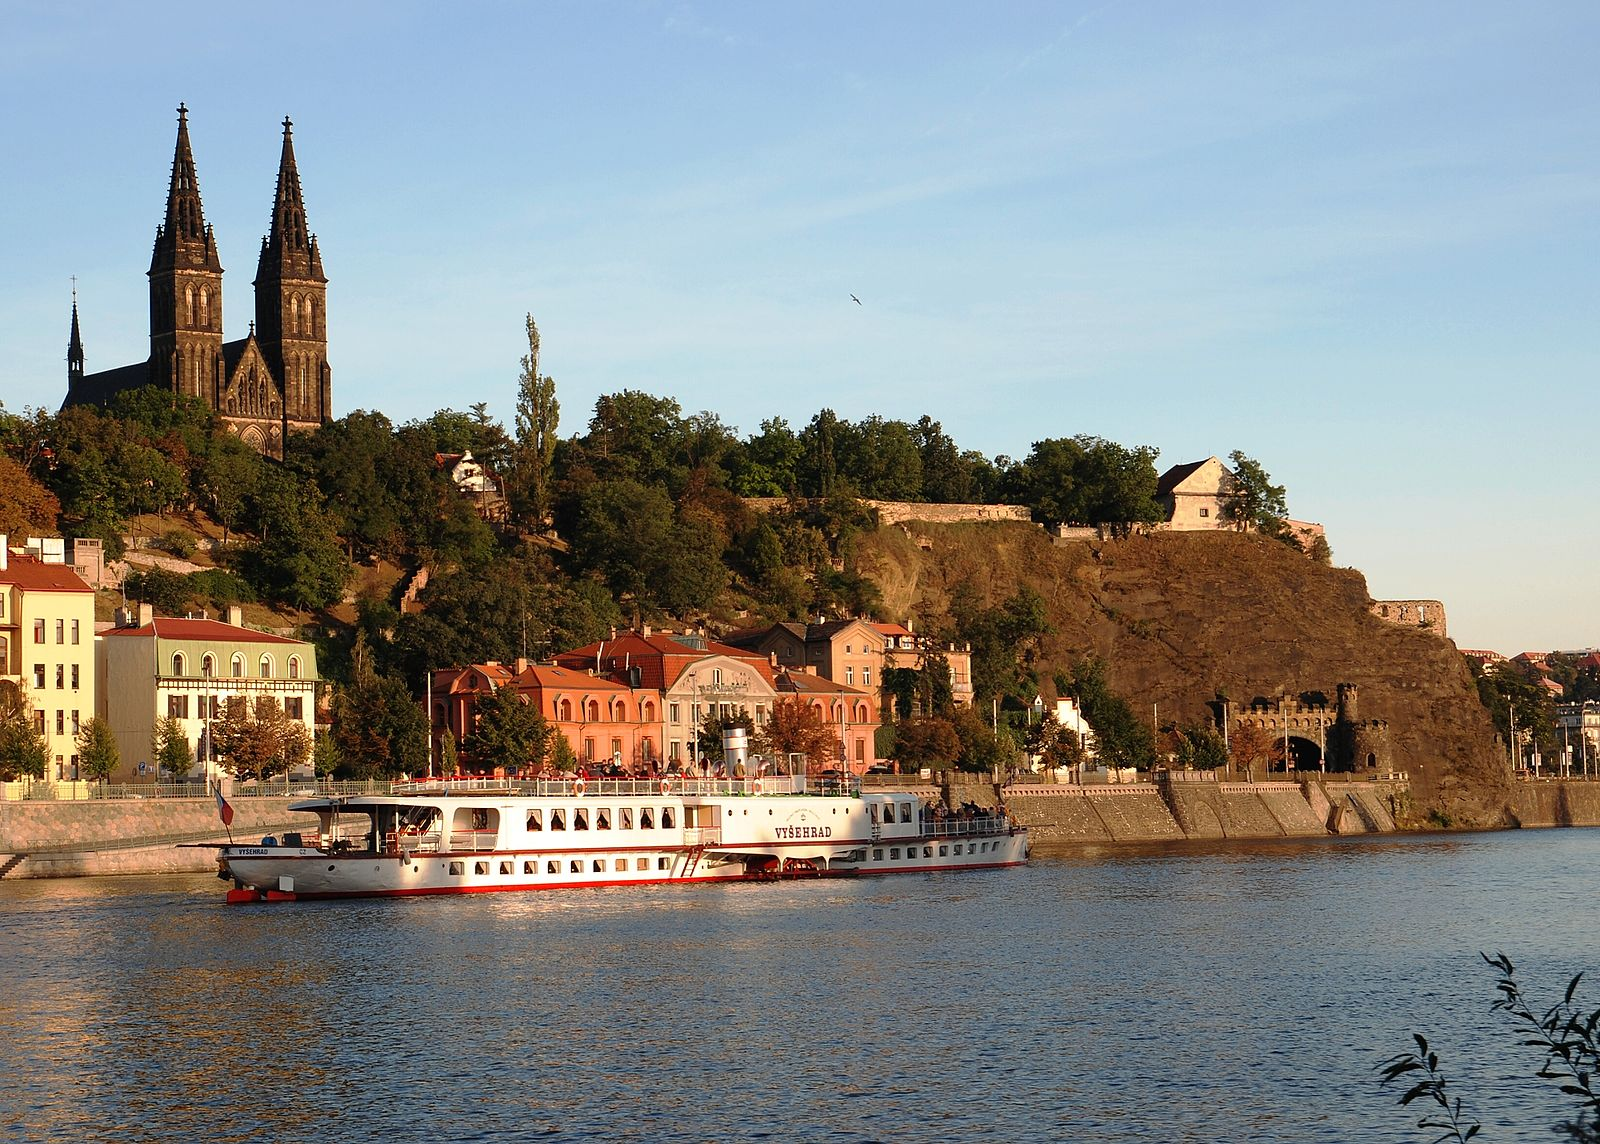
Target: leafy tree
796 727
169 747
768 464
1510 693
981 748
538 417
298 558
449 760
1086 480
627 534
258 740
26 506
23 750
1124 739
378 728
1255 502
1201 749
98 757
508 731
926 743
1005 642
1054 746
227 481
325 757
167 592
1250 745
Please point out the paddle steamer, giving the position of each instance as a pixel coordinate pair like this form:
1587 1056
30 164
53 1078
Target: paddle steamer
478 836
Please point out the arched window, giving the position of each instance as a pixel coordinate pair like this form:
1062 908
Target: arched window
208 665
294 667
188 305
565 710
177 663
647 712
311 316
294 314
716 677
237 666
205 307
592 712
266 666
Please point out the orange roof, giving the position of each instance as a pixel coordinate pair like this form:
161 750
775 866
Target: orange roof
804 683
544 676
34 575
660 658
172 628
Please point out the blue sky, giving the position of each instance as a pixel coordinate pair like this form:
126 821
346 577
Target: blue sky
1356 241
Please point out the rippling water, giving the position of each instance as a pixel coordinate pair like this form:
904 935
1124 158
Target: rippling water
1239 992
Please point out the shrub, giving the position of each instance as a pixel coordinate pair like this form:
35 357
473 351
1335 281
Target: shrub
175 542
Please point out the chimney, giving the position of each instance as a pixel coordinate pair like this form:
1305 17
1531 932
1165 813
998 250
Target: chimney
5 551
235 615
147 614
522 664
646 631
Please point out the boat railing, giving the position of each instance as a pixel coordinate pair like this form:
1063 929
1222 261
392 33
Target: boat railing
669 785
984 825
703 836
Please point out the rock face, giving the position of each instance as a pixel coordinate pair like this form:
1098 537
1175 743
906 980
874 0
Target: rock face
1180 618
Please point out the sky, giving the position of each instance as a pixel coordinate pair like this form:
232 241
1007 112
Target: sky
1356 241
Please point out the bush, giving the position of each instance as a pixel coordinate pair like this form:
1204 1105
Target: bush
220 588
175 543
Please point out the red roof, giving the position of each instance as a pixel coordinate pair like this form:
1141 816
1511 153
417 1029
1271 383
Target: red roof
172 628
660 658
34 575
544 676
804 683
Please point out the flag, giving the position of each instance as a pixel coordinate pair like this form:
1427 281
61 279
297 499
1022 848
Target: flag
224 810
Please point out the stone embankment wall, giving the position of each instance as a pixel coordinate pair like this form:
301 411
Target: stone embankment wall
898 512
1556 803
133 836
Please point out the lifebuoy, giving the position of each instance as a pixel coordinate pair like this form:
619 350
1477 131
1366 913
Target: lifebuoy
578 785
666 786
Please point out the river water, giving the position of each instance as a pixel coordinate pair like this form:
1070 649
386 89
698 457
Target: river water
1230 992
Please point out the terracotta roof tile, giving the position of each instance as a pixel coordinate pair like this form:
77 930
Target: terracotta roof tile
172 628
34 575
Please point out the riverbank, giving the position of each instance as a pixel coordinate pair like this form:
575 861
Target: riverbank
43 839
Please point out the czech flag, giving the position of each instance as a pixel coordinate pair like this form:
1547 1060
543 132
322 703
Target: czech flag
224 810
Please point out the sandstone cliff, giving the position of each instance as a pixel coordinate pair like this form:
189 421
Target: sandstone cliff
1179 617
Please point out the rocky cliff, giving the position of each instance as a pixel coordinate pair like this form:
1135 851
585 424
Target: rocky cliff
1182 617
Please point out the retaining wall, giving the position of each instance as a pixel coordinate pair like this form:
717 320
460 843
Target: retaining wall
1556 803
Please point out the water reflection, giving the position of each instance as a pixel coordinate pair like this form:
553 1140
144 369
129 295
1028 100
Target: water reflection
1238 992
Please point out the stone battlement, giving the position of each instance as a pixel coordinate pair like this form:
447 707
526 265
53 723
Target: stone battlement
1428 614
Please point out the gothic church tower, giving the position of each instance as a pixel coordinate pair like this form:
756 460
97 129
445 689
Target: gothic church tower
291 296
186 287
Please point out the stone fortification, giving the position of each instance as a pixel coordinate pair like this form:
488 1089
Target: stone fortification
899 512
1556 803
1425 614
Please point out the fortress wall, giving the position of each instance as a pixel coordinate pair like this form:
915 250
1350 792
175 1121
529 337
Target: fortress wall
1199 809
1134 813
1412 614
1248 816
1057 814
1295 814
897 512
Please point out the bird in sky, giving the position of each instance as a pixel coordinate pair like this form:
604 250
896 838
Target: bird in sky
856 300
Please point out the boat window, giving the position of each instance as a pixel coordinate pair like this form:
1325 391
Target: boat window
528 868
557 822
480 818
625 818
666 818
646 819
877 855
641 863
602 819
575 866
663 863
944 851
580 819
894 852
480 867
905 812
536 819
455 867
506 867
552 867
927 851
872 812
599 865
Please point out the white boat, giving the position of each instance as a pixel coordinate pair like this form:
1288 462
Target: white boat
479 836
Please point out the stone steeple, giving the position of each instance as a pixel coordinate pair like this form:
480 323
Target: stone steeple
291 291
74 348
185 286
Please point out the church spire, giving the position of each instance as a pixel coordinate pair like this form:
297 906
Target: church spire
289 243
184 239
74 347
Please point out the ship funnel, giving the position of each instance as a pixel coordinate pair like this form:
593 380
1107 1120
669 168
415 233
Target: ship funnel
735 747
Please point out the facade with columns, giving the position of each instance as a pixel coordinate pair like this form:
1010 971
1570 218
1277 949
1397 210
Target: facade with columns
272 382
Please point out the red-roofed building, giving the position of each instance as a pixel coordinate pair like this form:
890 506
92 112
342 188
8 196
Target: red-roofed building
47 650
154 667
849 710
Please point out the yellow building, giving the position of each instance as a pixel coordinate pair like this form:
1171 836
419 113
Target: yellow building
47 650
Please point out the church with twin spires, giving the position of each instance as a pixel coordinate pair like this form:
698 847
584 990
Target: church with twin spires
271 382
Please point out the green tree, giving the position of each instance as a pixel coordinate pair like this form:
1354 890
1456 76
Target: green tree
325 757
930 743
449 760
508 731
538 418
378 728
1005 642
1201 749
169 747
1086 480
23 750
1124 739
1254 502
297 558
258 740
98 757
708 737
